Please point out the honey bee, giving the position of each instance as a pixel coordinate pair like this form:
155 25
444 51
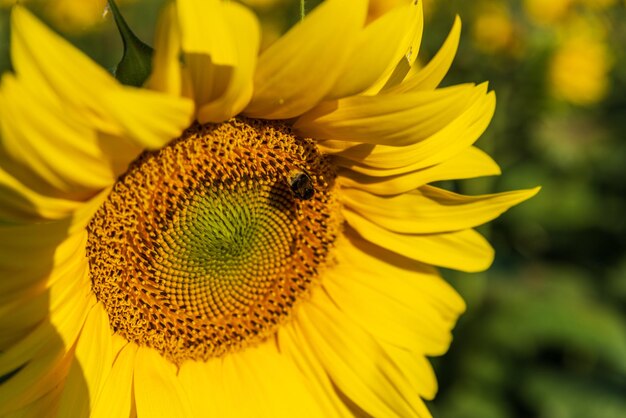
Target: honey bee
301 185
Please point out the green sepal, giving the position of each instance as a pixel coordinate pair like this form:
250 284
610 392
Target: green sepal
136 64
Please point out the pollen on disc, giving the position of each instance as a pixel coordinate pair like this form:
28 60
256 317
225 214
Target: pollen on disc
202 248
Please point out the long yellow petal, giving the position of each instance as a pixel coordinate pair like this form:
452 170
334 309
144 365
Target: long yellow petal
444 144
320 384
166 74
19 203
463 250
246 35
355 361
395 74
73 399
29 307
202 381
149 118
469 163
417 370
51 65
30 254
403 286
388 120
36 378
220 41
237 385
430 210
300 69
158 392
57 146
46 405
431 75
379 48
59 72
114 399
205 31
410 322
93 359
68 305
287 395
43 357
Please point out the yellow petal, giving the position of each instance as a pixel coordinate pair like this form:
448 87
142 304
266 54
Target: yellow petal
30 254
61 73
398 72
430 210
286 396
149 118
21 315
220 41
41 407
205 31
19 203
166 74
51 65
464 250
300 68
417 370
83 215
431 75
379 48
32 305
469 163
90 367
56 145
403 316
237 385
34 379
246 35
158 393
43 357
202 381
403 286
444 144
73 401
355 361
114 399
68 304
313 372
388 120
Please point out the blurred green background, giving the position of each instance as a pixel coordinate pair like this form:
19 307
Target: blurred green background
545 331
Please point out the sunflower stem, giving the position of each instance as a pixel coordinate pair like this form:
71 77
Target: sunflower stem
136 63
302 9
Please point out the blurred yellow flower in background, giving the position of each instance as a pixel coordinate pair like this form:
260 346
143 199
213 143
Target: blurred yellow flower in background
547 12
379 7
579 70
493 28
70 16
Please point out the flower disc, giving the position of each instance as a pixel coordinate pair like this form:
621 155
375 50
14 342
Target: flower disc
205 246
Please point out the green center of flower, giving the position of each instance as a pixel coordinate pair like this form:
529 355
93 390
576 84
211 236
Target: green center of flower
205 246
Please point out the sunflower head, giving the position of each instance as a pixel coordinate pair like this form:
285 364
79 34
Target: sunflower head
242 215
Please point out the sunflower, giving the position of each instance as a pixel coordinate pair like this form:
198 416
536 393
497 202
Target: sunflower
247 235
